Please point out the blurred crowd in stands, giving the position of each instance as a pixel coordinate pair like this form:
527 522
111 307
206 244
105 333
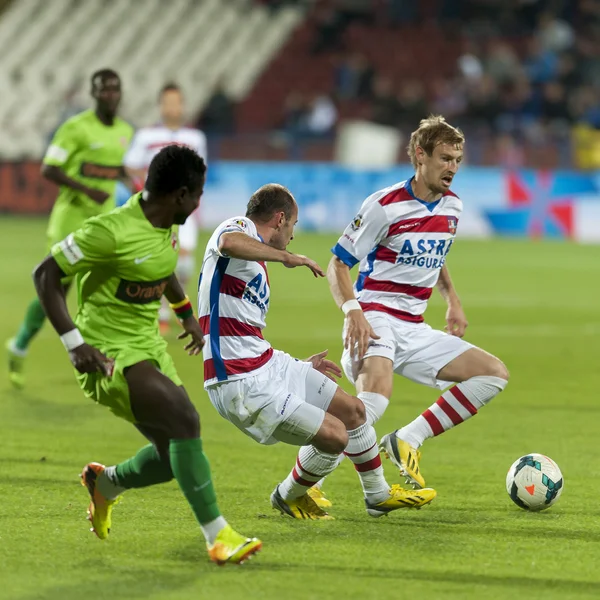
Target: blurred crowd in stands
529 72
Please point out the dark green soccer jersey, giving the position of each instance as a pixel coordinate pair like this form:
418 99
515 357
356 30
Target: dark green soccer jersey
122 264
92 153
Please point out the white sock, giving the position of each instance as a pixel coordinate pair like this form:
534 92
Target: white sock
107 483
363 451
453 407
375 405
319 483
212 528
13 348
312 465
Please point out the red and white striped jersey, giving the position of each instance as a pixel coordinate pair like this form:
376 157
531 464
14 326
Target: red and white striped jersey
233 300
401 243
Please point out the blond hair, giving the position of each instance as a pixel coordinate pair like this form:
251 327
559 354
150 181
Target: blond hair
432 131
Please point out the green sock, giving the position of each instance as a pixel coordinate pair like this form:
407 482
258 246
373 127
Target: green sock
144 469
34 319
192 471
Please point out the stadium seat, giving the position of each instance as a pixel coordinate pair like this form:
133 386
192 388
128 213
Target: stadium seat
201 44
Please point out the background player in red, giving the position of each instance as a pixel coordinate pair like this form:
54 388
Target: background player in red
146 142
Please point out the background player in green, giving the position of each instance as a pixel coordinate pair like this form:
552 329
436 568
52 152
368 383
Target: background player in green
125 262
85 160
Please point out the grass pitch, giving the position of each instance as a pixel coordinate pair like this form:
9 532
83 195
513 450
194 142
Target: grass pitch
534 304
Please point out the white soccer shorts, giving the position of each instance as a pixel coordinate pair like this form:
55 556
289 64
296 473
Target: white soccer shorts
284 402
417 351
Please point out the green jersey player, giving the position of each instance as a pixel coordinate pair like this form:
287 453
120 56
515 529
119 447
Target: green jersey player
124 262
85 159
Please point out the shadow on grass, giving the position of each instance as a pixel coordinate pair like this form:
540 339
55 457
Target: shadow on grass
117 586
568 586
48 411
194 554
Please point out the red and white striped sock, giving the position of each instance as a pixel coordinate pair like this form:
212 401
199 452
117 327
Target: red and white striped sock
311 466
363 451
454 406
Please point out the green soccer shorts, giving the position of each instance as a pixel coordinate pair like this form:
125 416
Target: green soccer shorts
113 391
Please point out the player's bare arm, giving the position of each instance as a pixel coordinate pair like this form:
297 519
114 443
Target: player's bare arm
358 329
191 328
85 358
239 245
59 177
456 321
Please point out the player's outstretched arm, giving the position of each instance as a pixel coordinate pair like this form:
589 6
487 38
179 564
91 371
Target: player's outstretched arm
47 279
239 245
358 329
59 177
180 303
456 321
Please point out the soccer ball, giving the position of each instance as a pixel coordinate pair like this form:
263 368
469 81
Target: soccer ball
534 482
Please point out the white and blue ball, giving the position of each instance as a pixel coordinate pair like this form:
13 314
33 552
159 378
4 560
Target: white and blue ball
534 482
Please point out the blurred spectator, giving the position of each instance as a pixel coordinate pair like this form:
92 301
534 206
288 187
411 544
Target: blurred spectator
449 98
469 63
329 27
566 71
294 114
585 107
354 77
218 116
554 35
483 107
509 153
401 12
501 62
554 108
385 109
540 64
356 10
519 108
412 103
322 116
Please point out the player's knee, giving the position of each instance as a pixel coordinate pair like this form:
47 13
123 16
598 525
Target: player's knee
333 437
498 369
338 441
356 415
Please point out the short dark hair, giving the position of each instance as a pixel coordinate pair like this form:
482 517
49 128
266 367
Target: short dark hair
103 74
175 167
171 86
270 199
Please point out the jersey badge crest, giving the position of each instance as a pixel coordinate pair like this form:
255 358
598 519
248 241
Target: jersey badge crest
452 223
241 223
356 223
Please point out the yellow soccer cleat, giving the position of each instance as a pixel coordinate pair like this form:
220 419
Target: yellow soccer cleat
100 509
232 547
321 500
299 508
401 498
16 360
405 457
